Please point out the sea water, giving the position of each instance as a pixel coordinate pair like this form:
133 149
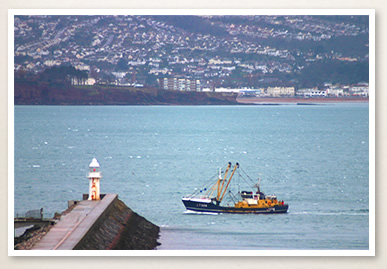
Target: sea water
315 158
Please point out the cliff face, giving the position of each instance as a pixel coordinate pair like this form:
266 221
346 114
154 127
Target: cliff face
121 229
25 94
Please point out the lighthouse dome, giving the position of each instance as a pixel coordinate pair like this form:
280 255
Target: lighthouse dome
94 163
94 169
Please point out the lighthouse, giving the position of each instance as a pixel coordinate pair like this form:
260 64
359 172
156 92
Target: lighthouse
94 178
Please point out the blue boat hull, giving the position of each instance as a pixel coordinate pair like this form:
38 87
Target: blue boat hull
213 208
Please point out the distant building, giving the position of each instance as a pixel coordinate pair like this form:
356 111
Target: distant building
180 84
361 89
251 93
312 92
241 91
89 81
335 91
119 75
82 67
157 71
51 63
227 90
137 62
280 91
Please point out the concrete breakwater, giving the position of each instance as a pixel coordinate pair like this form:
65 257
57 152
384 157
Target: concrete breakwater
106 224
120 229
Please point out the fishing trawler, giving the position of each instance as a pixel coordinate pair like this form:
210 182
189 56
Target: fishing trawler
213 199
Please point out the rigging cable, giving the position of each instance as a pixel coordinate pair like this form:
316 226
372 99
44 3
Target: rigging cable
207 185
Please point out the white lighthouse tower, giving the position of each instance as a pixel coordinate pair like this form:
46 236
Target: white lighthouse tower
94 178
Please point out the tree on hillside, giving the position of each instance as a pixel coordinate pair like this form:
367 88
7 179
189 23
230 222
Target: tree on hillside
333 71
62 75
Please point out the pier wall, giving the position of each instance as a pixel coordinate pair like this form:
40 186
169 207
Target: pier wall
106 224
119 228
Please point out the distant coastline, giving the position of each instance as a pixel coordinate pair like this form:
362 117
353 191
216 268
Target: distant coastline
29 94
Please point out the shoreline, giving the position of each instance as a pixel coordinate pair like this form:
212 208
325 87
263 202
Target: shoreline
112 95
300 101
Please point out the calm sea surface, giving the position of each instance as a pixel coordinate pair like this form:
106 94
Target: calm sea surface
316 158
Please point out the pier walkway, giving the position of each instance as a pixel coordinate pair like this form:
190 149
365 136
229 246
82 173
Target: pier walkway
74 226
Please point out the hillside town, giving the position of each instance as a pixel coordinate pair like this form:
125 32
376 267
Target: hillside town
251 55
329 90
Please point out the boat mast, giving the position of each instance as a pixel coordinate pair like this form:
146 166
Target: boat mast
229 180
215 186
224 179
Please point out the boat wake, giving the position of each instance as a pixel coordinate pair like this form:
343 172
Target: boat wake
199 213
361 212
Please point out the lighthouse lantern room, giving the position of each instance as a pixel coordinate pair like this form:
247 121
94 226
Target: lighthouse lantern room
94 178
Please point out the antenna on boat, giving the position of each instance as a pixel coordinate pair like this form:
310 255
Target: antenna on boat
258 185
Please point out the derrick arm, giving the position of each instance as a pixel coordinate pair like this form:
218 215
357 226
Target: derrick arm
224 179
229 180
